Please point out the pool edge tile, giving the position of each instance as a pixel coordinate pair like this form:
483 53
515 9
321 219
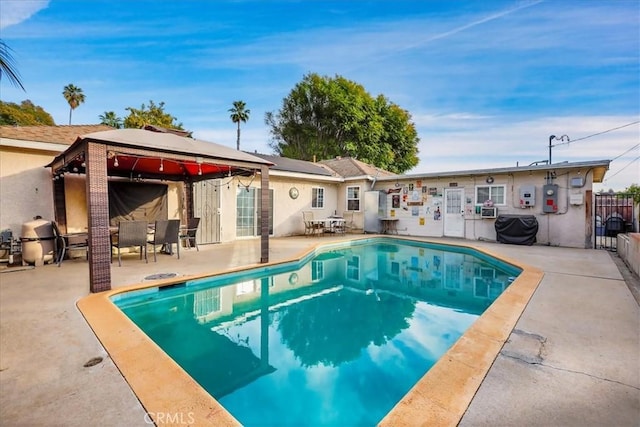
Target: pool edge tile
173 394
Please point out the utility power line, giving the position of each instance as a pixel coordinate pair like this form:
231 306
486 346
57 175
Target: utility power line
617 157
625 166
596 134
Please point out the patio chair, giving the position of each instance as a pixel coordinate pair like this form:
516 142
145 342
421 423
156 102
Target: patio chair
130 234
188 234
311 227
166 233
58 244
349 226
64 243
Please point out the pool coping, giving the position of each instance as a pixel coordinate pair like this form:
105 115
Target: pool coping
170 395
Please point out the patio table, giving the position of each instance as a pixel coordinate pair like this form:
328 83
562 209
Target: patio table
330 224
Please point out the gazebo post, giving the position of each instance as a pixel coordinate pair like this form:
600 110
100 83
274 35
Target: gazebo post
98 221
188 193
59 204
264 214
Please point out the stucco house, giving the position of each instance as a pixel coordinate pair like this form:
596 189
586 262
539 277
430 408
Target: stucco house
461 204
26 188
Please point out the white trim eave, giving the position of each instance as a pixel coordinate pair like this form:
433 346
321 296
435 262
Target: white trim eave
359 178
517 169
304 176
51 147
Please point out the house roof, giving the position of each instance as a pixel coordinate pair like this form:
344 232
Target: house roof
349 167
285 164
54 134
598 167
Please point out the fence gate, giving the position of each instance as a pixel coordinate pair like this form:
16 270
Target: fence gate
613 214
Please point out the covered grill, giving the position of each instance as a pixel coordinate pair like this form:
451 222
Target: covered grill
516 229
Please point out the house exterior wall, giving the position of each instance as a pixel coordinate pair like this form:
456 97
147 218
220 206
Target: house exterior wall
26 189
570 226
287 211
358 215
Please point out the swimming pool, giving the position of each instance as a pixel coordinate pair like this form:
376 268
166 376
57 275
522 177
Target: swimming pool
278 330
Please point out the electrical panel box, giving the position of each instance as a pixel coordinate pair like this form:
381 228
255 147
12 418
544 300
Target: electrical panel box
550 198
576 199
527 196
577 182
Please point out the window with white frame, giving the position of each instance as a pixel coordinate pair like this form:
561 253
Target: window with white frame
353 268
495 193
317 271
317 197
353 198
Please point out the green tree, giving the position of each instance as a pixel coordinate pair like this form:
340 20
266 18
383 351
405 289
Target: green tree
25 114
74 97
152 115
326 117
308 326
110 118
8 66
239 113
634 191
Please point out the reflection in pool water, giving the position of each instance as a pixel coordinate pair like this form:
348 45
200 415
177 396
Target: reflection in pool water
336 340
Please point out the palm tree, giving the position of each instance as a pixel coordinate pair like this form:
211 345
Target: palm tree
239 114
8 66
109 118
74 97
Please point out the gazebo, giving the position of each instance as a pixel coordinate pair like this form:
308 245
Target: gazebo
151 153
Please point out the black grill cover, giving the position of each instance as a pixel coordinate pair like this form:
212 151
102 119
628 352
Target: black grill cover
516 229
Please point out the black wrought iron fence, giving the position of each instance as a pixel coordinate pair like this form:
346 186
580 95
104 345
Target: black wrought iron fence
613 214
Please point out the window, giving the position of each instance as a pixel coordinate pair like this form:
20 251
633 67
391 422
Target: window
353 268
317 197
495 193
353 198
248 212
317 270
248 287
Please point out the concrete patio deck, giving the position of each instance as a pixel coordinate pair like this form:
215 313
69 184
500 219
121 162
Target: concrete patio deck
572 359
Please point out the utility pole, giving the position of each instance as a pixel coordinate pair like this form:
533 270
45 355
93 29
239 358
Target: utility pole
551 138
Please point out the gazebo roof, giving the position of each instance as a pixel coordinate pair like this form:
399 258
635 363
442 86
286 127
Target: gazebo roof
149 153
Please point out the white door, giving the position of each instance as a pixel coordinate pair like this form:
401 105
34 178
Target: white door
453 212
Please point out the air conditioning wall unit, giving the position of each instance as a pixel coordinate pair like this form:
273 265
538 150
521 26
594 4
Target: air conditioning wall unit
491 212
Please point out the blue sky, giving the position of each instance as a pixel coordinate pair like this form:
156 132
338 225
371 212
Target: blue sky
486 82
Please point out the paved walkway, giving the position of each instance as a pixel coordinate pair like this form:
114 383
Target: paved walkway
573 358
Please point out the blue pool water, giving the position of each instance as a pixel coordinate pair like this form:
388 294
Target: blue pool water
336 339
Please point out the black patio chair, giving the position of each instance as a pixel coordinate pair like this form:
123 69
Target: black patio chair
188 234
166 233
58 244
130 234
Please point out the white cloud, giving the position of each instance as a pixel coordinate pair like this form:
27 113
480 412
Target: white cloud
16 11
